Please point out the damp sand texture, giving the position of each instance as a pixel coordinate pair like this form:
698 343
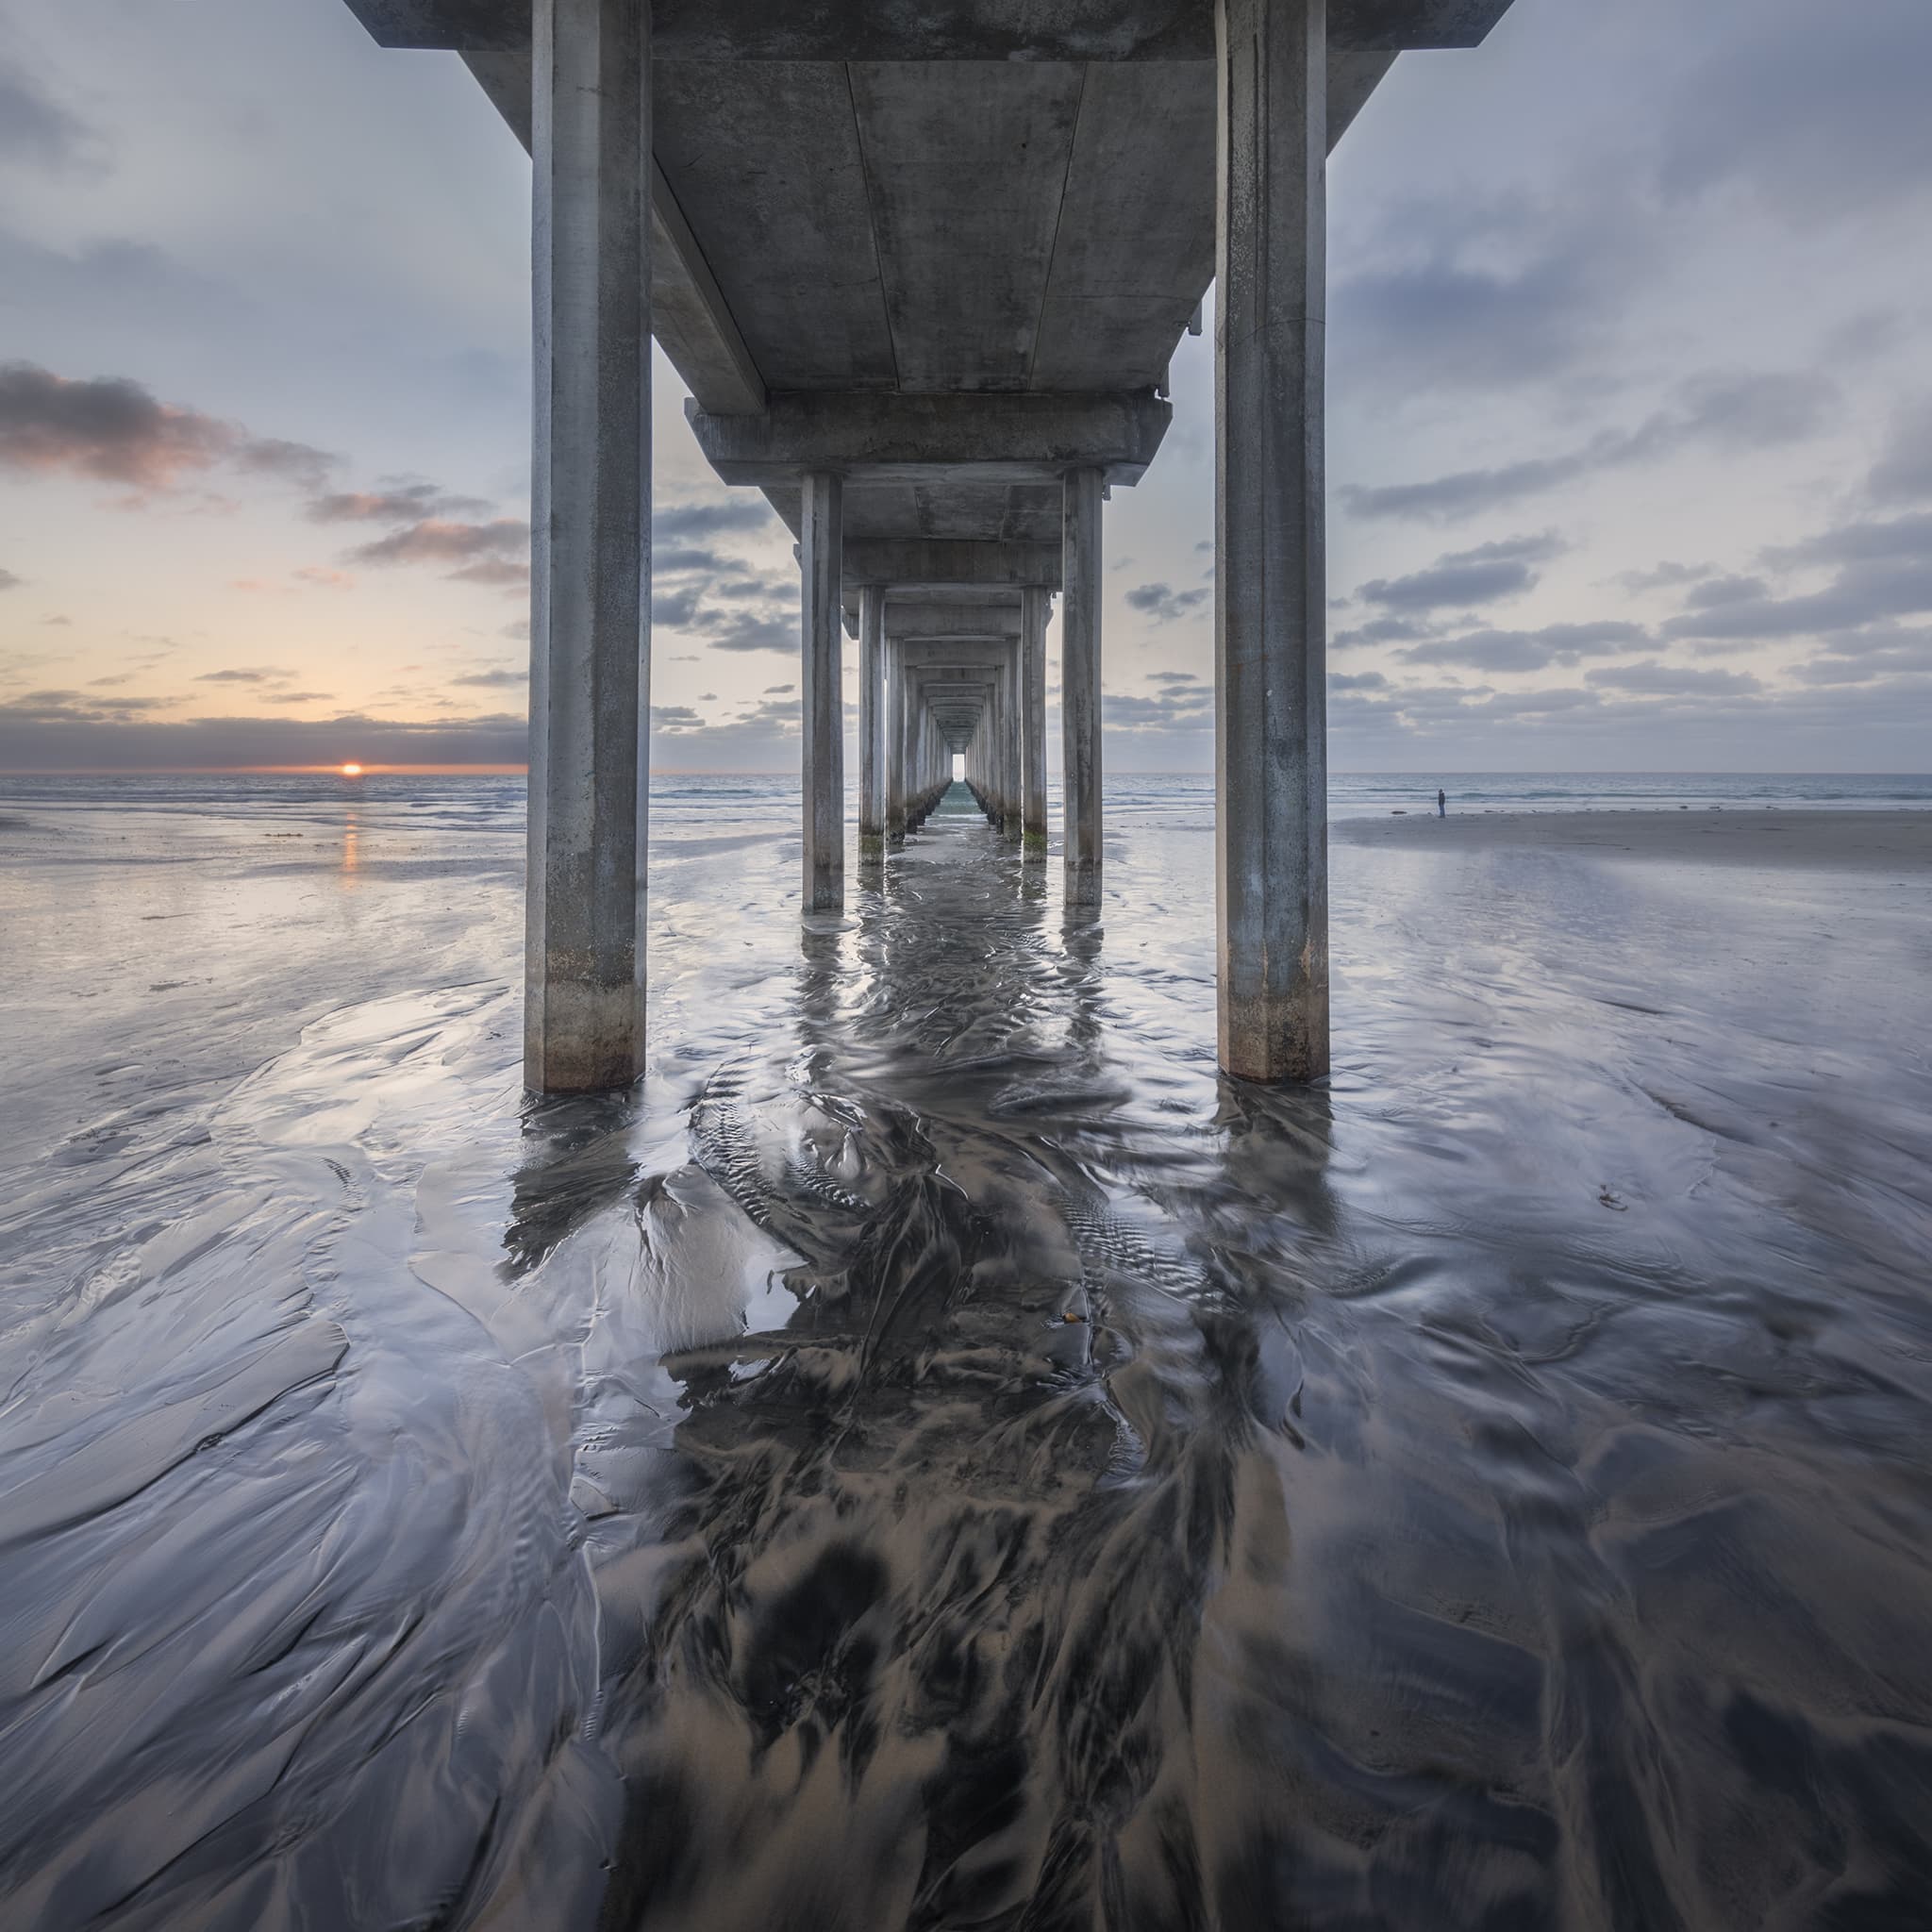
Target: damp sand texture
938 1456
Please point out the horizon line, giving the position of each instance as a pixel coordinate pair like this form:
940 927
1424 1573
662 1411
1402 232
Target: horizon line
368 770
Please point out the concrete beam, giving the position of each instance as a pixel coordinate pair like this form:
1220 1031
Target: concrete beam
950 625
689 317
953 654
1014 437
888 30
928 564
591 537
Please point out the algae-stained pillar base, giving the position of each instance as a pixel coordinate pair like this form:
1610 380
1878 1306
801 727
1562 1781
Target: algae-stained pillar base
821 550
590 527
871 724
1080 684
1270 719
1033 721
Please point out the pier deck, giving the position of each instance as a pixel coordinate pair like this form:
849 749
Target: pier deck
921 268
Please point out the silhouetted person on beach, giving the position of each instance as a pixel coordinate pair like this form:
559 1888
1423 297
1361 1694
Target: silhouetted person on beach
1441 803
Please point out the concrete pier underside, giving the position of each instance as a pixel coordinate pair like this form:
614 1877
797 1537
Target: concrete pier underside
921 268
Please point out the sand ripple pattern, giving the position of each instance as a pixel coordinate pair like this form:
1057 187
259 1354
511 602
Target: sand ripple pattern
940 1458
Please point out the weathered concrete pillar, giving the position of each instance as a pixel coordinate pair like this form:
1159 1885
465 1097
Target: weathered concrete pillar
591 547
821 551
1080 684
1271 762
1014 783
871 724
1033 719
897 780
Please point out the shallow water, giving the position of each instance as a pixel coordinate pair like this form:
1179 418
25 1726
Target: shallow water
1489 1493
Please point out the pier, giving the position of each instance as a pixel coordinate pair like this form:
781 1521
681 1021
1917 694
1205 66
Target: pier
922 269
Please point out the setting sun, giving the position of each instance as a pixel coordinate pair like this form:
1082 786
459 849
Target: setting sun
352 771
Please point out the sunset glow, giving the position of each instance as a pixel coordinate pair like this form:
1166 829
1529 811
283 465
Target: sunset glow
352 771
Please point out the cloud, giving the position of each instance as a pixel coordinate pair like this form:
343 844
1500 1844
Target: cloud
1654 679
36 130
1717 590
1380 630
1815 112
8 581
1663 576
1463 577
1731 413
325 579
62 731
274 456
441 540
675 521
493 570
1527 650
675 609
50 707
1482 292
504 680
108 428
779 691
675 718
1883 570
1164 605
678 559
115 430
1903 472
1862 658
1869 539
243 677
744 631
493 552
406 502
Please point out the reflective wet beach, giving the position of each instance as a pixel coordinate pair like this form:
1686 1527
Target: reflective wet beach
1491 1492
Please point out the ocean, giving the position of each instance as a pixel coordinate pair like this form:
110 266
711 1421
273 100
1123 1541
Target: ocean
936 1454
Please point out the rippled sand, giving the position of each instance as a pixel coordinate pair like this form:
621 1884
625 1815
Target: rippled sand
939 1455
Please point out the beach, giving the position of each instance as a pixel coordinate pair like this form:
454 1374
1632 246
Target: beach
1883 842
938 1454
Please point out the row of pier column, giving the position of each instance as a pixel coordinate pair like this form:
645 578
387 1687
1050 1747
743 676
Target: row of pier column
979 690
590 580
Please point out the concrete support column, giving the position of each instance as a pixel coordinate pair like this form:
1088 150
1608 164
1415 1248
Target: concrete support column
1271 718
590 546
897 781
1033 718
995 752
821 551
1080 683
1011 719
871 724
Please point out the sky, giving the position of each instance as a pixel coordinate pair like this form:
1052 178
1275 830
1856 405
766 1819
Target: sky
1629 413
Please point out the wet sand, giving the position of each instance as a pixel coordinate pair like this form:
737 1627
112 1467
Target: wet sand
1488 1492
1899 842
